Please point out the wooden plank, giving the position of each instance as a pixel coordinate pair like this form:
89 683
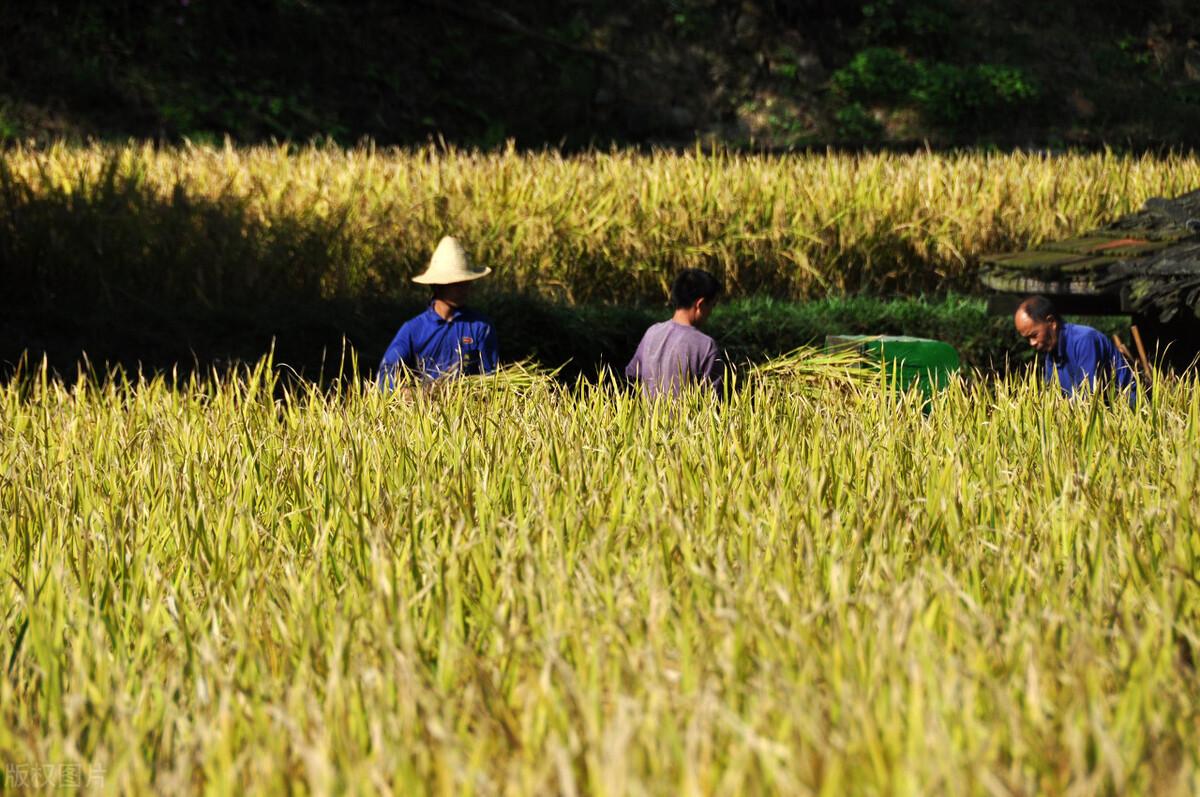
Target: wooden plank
1037 259
1130 247
1016 282
1080 245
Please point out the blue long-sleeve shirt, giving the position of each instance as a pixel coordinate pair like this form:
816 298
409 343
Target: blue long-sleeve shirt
434 346
1084 355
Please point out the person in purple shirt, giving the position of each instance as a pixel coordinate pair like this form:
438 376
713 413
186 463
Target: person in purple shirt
1077 356
675 352
447 339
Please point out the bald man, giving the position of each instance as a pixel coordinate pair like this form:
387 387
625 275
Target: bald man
1076 355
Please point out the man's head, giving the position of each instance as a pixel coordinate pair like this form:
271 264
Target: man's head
1037 321
455 294
694 292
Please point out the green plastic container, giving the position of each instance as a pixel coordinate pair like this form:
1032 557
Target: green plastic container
929 363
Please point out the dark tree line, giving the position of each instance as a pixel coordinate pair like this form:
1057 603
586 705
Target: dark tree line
593 71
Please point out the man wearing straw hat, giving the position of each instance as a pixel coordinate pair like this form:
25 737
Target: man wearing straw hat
447 339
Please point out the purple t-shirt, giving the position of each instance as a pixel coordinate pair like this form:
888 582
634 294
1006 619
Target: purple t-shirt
670 354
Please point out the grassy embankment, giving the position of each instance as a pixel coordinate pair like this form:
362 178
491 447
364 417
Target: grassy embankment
513 587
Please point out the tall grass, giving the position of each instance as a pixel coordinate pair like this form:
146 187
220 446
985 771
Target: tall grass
230 586
145 226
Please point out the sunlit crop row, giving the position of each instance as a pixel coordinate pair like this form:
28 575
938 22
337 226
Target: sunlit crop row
222 224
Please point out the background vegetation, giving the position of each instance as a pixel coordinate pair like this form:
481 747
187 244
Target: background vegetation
772 72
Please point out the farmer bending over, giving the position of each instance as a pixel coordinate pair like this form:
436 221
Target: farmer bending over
676 352
1075 354
447 339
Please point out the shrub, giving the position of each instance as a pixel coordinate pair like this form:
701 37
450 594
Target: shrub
958 97
948 96
878 74
855 123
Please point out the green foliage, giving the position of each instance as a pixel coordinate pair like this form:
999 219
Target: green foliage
856 123
948 96
878 75
9 128
973 97
294 70
924 23
693 18
581 73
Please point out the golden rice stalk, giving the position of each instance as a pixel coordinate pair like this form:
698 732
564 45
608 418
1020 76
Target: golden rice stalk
810 368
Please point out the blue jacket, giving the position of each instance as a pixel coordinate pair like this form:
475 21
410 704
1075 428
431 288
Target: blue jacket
1083 354
433 346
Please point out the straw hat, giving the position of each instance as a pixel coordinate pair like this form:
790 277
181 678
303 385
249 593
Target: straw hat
449 264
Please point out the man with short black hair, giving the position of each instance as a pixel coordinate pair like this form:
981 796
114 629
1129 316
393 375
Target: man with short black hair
675 352
1076 355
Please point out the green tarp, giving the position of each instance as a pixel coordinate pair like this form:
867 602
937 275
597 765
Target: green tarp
928 363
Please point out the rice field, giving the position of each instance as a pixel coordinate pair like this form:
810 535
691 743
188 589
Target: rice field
243 583
115 226
512 586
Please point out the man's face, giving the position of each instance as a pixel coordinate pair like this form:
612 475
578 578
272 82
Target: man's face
454 294
702 309
1042 335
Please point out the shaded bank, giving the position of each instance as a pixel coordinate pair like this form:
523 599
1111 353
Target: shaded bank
317 340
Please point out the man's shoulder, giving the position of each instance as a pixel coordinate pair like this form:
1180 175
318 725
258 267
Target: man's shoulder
679 334
1083 335
701 338
658 329
692 333
1087 345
